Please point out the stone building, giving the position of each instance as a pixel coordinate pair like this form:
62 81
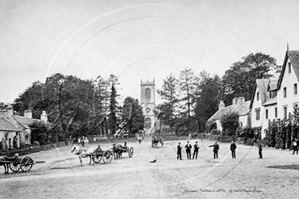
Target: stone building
148 104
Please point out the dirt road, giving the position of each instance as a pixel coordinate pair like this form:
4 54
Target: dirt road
244 177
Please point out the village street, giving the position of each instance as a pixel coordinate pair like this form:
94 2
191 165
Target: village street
245 177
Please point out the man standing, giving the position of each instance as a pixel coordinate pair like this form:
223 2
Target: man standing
232 148
179 151
82 141
215 150
188 147
196 149
260 150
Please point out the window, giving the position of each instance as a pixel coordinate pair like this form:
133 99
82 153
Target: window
148 123
284 92
257 112
295 89
267 114
270 94
290 68
285 112
275 112
257 96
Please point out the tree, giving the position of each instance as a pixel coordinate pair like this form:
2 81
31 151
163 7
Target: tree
239 80
230 123
132 115
207 97
40 133
168 93
30 98
187 86
113 107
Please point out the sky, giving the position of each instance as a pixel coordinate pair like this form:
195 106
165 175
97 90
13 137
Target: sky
137 39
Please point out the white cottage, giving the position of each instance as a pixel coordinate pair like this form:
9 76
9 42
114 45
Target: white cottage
239 105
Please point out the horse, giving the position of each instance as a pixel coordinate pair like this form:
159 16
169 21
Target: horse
82 152
156 140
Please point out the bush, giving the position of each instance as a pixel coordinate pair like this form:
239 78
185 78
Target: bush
230 123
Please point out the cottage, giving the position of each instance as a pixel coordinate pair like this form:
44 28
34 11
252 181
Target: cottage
9 135
239 105
18 125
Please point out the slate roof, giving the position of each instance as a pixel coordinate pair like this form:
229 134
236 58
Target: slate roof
241 109
262 86
273 84
24 121
5 125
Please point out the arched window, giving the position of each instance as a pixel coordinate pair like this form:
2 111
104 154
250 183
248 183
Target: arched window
148 122
147 93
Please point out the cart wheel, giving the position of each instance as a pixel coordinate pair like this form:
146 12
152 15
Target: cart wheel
26 164
15 166
108 156
97 158
130 153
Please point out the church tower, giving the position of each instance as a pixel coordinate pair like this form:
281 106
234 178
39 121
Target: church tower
148 104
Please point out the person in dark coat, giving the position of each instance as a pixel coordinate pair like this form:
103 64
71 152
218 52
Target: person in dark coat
179 147
196 149
188 147
232 148
82 141
215 150
260 150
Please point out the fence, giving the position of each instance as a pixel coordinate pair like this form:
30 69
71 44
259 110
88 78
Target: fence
219 138
32 149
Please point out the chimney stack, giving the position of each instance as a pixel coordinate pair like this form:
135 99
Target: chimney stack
221 105
28 114
241 100
44 117
234 101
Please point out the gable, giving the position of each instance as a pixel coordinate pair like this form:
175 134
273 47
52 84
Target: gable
293 57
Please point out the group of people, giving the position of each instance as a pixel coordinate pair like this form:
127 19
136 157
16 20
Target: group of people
188 148
216 148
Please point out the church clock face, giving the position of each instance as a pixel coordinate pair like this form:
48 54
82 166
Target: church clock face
147 110
148 93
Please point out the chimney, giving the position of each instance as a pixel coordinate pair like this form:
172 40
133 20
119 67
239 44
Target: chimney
279 68
221 105
28 114
9 110
234 101
241 100
44 117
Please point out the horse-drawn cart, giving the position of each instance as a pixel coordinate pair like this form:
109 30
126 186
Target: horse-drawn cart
119 149
15 163
99 155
